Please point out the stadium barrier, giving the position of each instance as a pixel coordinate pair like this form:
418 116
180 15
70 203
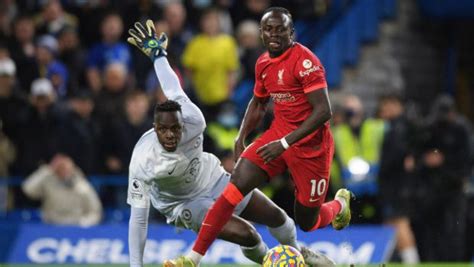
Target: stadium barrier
46 244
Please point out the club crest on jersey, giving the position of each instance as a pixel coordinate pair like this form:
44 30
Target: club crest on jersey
192 170
280 76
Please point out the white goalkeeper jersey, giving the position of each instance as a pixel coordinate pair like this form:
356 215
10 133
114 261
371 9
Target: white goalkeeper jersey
164 178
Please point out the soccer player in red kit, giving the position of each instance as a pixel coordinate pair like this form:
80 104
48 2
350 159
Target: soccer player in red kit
299 138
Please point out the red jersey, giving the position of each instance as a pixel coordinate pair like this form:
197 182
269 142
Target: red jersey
287 79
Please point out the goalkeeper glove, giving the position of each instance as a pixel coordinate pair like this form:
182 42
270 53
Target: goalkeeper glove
146 40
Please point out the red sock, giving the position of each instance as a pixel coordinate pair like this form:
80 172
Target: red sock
217 216
327 213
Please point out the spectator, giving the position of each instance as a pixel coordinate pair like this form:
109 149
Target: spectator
7 153
66 196
444 169
72 55
139 11
225 129
109 50
7 156
358 142
125 132
22 50
250 9
213 75
250 48
179 33
53 18
396 171
110 100
38 135
4 53
13 107
80 133
49 67
90 14
8 11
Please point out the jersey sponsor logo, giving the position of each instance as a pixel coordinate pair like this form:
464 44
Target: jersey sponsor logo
307 63
280 76
264 75
282 97
309 71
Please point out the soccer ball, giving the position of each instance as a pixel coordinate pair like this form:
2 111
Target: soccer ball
283 256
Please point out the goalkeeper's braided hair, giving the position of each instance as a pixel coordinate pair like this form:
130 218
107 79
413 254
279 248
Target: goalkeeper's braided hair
167 106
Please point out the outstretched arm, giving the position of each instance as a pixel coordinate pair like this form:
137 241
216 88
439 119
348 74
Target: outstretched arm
145 39
137 233
253 116
168 79
321 113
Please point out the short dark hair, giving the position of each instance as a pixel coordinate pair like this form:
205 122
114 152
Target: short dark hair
279 10
167 106
393 96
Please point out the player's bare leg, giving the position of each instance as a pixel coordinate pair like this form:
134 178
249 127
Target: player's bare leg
237 231
245 178
406 244
262 210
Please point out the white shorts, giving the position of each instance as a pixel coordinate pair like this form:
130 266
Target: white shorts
190 214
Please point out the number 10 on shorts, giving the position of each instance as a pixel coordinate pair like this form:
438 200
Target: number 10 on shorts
318 189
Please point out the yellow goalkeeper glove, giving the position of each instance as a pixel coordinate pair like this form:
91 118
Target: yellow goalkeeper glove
146 40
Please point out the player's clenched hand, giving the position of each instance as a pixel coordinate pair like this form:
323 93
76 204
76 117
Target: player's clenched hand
270 151
239 147
147 41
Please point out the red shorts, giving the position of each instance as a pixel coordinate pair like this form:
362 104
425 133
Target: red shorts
309 165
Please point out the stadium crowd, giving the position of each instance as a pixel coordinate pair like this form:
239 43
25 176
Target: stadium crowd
73 93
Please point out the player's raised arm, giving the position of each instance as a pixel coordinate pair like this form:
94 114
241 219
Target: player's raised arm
145 39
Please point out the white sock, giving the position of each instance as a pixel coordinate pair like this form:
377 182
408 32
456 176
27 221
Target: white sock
286 233
255 253
410 255
195 257
341 201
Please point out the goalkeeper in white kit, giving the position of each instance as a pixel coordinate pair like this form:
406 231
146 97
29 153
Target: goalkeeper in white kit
169 169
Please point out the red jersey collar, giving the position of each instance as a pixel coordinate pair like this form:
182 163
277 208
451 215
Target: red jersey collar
282 56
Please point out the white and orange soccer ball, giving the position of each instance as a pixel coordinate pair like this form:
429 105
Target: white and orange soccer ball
283 256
